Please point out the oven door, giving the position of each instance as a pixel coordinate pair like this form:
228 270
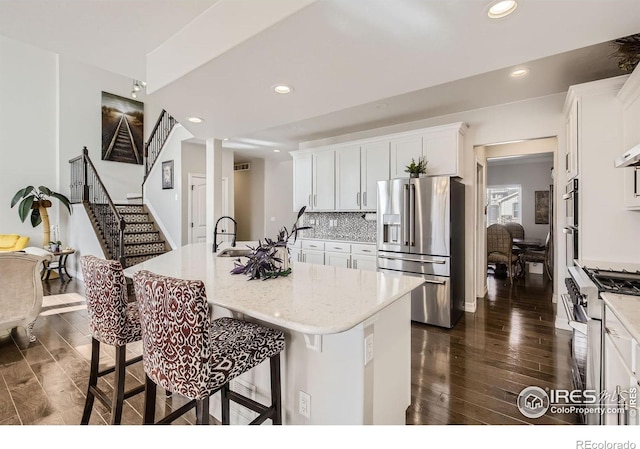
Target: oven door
571 240
571 203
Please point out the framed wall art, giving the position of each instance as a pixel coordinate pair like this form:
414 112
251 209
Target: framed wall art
122 129
167 175
541 206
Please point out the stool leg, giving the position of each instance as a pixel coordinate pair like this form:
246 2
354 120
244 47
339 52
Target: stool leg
149 400
118 388
224 399
276 397
202 411
93 381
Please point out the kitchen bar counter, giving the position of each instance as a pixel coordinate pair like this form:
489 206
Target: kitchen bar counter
348 334
627 309
314 299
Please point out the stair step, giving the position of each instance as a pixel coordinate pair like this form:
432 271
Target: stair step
139 227
130 208
134 260
135 217
131 249
141 237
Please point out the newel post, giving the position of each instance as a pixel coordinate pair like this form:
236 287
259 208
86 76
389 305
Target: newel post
85 184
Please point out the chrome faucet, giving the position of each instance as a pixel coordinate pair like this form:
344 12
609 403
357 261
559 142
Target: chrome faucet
216 233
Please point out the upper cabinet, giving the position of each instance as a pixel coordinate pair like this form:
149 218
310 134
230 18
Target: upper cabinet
571 153
442 148
344 177
630 97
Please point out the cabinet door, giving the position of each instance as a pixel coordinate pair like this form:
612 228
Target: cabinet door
441 152
348 195
316 257
619 384
375 167
337 259
294 255
366 263
324 171
632 187
571 156
402 151
302 182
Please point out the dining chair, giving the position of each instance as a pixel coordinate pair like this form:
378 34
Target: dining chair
114 321
539 256
515 229
500 248
186 352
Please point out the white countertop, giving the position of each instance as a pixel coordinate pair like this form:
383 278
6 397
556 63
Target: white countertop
627 309
314 299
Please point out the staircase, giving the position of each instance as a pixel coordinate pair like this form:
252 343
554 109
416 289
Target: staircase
142 237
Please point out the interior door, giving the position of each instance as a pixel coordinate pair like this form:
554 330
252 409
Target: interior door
198 219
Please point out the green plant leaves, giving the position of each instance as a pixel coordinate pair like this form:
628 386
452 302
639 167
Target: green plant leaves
36 219
45 190
25 207
63 199
20 194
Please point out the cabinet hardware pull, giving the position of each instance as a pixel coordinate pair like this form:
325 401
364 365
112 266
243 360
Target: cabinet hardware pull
315 199
429 281
366 250
358 198
635 182
365 198
309 200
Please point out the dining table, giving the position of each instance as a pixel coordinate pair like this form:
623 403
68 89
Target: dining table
523 245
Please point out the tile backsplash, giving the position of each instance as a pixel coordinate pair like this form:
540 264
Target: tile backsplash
340 226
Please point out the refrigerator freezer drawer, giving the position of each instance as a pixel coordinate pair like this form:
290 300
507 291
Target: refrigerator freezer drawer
431 302
414 263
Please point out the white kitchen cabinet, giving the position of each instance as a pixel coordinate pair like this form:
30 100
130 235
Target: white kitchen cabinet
442 148
360 262
323 181
620 385
302 182
629 95
374 158
294 255
571 153
348 194
312 256
403 150
337 259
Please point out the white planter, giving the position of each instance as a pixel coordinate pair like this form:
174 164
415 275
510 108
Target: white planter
284 255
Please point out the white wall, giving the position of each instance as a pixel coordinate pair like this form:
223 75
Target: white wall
278 178
523 120
83 238
193 162
250 200
166 204
531 177
28 130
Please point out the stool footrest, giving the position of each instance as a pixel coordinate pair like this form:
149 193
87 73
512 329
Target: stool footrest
264 411
177 413
113 368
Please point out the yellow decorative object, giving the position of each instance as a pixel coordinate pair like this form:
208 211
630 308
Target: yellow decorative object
13 242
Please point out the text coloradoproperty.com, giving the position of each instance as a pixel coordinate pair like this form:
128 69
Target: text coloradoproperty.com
588 444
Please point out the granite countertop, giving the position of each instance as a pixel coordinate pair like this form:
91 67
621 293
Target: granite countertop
314 299
341 240
627 309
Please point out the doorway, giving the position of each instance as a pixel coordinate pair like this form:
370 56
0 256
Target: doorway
197 208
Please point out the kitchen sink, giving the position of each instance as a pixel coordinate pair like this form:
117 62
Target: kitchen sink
234 252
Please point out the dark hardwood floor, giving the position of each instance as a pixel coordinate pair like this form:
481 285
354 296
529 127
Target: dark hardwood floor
473 373
470 374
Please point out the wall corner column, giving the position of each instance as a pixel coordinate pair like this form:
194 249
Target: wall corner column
214 184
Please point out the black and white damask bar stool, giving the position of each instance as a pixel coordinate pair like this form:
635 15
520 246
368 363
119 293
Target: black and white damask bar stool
113 321
186 352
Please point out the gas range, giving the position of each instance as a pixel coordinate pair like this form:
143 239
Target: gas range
622 282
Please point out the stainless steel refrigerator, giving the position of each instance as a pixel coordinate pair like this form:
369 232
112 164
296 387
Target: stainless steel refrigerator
421 233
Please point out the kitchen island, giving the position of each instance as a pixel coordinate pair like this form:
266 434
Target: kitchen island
348 335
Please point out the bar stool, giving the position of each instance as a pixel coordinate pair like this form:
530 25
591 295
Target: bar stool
186 352
112 321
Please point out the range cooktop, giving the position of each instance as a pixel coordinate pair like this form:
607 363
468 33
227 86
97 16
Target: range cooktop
621 282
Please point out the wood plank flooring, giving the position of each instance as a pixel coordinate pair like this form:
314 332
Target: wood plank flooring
471 374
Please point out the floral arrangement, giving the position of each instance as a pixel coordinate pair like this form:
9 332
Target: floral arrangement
270 259
417 168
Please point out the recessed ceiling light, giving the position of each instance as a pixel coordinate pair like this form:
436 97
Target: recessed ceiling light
195 119
276 151
282 89
502 8
226 138
517 73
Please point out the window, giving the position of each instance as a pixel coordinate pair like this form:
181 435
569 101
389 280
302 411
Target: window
503 204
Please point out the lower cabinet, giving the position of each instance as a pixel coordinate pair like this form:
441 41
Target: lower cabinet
361 256
620 385
367 263
337 259
313 256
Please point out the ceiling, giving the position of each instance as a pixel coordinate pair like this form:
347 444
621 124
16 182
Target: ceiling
520 159
353 64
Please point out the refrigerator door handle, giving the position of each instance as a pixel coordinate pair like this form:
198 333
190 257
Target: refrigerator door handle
405 215
412 208
442 262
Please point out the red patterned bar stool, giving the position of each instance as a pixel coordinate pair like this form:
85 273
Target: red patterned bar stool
113 321
185 352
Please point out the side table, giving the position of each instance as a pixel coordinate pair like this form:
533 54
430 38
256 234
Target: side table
60 265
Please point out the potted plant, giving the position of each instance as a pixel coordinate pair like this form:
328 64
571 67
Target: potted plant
270 259
34 203
56 246
416 169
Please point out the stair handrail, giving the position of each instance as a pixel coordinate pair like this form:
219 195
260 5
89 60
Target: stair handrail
157 139
85 177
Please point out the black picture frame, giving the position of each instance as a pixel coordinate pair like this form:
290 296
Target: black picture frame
167 175
122 129
541 207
